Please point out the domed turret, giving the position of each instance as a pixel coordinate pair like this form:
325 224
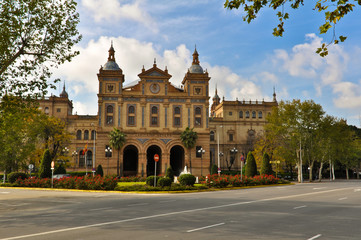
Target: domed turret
64 94
111 64
195 68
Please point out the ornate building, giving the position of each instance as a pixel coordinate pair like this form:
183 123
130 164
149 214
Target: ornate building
153 113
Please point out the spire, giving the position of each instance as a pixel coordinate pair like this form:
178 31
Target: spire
274 94
195 57
64 94
111 53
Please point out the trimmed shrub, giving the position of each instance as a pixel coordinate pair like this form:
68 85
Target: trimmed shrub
150 180
99 171
170 174
12 177
59 170
187 179
266 168
45 165
214 169
164 182
251 166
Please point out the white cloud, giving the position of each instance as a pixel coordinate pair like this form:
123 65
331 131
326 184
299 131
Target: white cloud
111 10
349 95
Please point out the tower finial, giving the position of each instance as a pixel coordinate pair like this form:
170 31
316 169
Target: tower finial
274 94
111 52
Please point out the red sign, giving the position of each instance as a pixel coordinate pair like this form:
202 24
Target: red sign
156 157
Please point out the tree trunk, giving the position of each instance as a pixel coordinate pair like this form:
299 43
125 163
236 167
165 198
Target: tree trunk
347 176
310 172
320 172
358 173
299 173
333 172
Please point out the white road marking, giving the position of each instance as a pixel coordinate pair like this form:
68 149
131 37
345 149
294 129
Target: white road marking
318 188
4 192
357 190
210 226
344 198
169 214
137 204
300 207
167 201
15 205
314 237
98 209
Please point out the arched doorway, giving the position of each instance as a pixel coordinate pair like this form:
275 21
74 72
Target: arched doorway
177 159
151 151
130 161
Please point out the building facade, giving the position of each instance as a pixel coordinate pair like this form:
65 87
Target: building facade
153 113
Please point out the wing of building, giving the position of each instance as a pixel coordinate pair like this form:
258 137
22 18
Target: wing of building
153 113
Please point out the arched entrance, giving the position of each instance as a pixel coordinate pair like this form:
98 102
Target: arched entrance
151 151
177 159
130 161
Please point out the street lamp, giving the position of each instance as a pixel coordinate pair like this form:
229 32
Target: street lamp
93 135
219 153
201 151
75 156
234 151
108 152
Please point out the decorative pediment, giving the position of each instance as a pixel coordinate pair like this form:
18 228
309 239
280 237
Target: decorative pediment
155 72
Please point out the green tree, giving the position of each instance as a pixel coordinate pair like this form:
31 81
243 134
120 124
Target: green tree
45 166
100 171
251 166
189 139
35 36
266 167
333 10
117 141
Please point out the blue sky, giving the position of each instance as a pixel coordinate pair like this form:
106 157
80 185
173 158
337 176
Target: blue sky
245 60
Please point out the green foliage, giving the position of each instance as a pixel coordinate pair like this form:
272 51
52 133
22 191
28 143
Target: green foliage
214 169
59 169
333 11
45 165
99 171
12 177
35 36
251 166
189 137
169 173
164 182
187 179
117 140
150 181
266 168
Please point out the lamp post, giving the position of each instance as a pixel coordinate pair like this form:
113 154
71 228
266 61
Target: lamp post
234 152
108 152
94 136
219 154
75 156
201 151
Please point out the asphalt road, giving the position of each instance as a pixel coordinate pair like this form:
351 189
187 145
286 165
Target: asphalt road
302 211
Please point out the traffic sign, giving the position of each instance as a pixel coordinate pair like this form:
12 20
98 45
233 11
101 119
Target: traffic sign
156 157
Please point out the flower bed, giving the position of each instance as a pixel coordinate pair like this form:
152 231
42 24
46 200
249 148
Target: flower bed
223 181
83 183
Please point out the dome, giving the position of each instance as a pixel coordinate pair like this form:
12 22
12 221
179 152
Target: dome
111 65
196 69
64 94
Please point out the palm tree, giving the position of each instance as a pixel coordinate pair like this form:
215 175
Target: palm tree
117 141
189 138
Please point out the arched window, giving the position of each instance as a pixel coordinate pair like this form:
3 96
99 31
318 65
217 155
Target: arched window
240 114
177 110
93 136
131 109
110 109
154 110
247 114
78 135
198 110
211 135
154 116
254 114
260 114
86 135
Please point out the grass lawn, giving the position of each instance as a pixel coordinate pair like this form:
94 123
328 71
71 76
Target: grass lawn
130 183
